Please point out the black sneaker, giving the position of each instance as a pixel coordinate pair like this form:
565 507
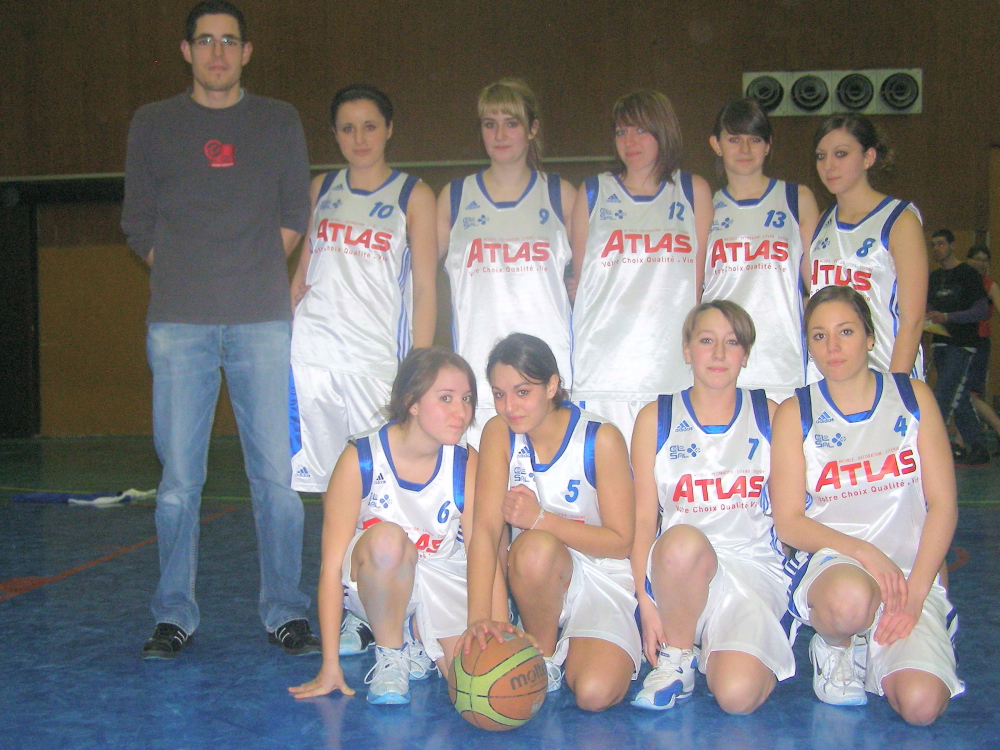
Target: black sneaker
973 457
296 638
167 642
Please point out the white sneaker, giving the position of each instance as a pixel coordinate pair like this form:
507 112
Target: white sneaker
421 664
837 679
355 635
555 674
389 679
670 681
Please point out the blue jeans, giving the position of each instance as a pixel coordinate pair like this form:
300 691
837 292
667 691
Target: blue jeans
186 362
952 393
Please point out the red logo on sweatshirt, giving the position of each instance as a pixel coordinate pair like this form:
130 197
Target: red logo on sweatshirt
220 154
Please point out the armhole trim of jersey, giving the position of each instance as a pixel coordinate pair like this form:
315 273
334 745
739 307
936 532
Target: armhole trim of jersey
456 198
905 388
760 413
664 415
687 185
804 397
459 460
792 198
593 186
365 463
555 194
821 222
887 227
327 181
404 192
590 453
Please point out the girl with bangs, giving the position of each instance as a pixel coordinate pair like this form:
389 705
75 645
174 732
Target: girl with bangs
757 252
502 234
638 237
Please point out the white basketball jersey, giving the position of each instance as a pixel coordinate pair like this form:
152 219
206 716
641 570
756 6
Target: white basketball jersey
636 286
857 255
567 485
506 262
863 470
430 513
356 318
715 478
754 259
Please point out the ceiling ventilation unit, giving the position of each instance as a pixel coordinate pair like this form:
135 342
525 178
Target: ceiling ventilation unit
886 91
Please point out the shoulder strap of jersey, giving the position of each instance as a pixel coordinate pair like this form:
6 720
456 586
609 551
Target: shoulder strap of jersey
328 181
905 388
555 194
365 463
459 460
664 415
404 192
456 198
593 187
887 227
804 395
822 221
590 452
760 413
687 185
792 199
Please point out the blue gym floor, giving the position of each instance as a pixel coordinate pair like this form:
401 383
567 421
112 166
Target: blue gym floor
74 606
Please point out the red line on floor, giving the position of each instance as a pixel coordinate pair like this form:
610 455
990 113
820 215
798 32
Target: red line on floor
961 558
15 586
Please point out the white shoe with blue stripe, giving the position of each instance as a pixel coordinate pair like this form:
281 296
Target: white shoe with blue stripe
671 680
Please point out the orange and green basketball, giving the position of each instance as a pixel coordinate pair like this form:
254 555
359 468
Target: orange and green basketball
501 686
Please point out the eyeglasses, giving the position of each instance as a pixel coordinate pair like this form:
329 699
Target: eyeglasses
207 40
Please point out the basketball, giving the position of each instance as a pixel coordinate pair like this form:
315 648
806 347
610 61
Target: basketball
501 686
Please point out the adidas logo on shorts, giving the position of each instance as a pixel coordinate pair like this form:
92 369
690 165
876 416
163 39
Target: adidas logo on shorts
824 418
613 198
303 473
683 427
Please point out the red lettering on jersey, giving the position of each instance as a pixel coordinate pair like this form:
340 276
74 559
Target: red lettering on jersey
523 253
492 247
666 244
705 484
907 461
830 476
381 241
475 253
615 244
633 239
852 469
756 485
718 253
540 251
739 488
684 490
763 250
779 250
827 274
682 243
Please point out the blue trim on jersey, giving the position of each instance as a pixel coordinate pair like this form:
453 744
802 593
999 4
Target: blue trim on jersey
796 569
851 227
328 179
459 461
501 205
404 192
593 186
749 202
715 429
383 436
590 453
792 199
510 452
555 195
894 308
404 336
821 222
641 198
365 463
905 388
758 398
574 417
861 416
887 227
456 198
687 186
664 416
804 397
359 191
294 425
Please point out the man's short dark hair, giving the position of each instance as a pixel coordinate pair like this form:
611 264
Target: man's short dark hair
946 233
213 8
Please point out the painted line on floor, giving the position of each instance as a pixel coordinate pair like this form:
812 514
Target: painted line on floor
16 586
962 557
